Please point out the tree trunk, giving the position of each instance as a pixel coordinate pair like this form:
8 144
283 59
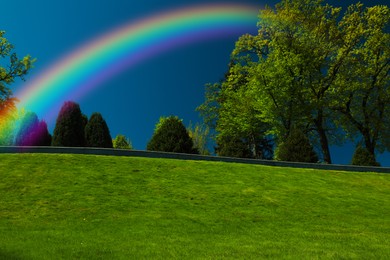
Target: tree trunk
324 145
323 138
370 146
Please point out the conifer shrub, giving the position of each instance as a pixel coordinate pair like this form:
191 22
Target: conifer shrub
97 133
69 128
362 157
296 148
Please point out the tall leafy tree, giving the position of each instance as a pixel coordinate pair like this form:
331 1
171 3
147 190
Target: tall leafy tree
299 63
296 60
238 126
69 128
97 133
363 87
10 69
229 110
200 134
171 135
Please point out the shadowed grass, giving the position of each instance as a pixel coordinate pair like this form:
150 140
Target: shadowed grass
100 207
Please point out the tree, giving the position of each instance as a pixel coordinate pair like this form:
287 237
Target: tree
229 110
297 148
363 86
170 135
9 71
232 147
97 133
32 132
200 136
362 157
240 132
85 120
69 128
294 71
296 58
121 142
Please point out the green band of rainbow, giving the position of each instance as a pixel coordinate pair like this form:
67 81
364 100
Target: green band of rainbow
86 68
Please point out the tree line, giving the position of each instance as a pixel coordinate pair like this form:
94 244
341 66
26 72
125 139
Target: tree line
312 72
311 77
74 129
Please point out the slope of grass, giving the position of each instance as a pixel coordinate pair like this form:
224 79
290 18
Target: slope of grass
98 207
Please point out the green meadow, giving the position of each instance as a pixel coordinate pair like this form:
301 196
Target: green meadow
101 207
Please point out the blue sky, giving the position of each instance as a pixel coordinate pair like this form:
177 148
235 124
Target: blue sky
169 84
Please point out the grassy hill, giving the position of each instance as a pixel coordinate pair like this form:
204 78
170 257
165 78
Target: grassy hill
100 207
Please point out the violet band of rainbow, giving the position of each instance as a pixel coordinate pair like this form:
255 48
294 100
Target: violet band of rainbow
86 68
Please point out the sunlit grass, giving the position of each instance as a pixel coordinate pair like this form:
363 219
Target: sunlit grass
100 207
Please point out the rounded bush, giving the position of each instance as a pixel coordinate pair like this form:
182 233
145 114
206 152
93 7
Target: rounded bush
171 135
296 148
121 142
362 157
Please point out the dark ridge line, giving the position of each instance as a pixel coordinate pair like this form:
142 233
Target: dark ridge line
180 156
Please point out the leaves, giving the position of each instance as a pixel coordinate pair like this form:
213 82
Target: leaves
10 69
310 68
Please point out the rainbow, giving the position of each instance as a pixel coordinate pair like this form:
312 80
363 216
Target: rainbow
87 67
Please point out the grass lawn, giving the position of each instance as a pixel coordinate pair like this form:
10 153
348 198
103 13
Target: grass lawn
100 207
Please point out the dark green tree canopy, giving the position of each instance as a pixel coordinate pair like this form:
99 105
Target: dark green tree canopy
297 148
97 133
171 135
232 147
69 129
362 157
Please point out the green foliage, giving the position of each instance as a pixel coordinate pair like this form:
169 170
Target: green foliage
170 135
121 142
296 148
85 120
209 110
362 92
228 109
69 128
200 135
239 128
309 66
97 133
10 69
362 157
232 147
